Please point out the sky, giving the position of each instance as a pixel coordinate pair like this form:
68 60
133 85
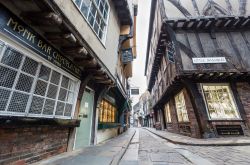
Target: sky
138 79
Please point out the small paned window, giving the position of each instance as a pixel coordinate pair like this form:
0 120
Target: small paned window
107 112
181 108
29 88
167 113
96 13
220 102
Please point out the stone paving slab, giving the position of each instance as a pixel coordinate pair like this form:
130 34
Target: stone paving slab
185 140
108 152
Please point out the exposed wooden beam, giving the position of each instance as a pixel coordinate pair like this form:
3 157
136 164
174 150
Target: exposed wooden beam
100 77
59 36
86 62
42 18
75 50
104 81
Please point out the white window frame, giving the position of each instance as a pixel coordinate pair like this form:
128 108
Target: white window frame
103 40
29 53
182 121
230 92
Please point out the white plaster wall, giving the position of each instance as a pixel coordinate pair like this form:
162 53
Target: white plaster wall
107 52
106 134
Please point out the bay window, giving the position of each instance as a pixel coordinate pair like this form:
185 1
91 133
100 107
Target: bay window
219 101
96 13
181 108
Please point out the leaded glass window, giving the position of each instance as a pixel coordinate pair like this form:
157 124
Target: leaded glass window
167 113
219 101
29 88
181 108
96 13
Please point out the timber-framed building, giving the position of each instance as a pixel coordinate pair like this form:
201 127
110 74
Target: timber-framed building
64 66
198 66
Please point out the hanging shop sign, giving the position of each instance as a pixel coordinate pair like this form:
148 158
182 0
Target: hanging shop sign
127 55
209 60
170 51
13 27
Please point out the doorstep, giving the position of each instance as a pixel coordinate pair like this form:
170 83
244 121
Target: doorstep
185 140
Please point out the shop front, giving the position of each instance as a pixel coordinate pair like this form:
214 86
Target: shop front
221 116
108 124
38 93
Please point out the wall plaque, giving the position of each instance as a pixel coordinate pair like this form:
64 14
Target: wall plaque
209 60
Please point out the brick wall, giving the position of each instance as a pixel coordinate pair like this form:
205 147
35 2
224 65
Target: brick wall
173 127
193 124
195 132
30 144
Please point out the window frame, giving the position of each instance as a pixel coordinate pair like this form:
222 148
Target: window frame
167 113
27 53
230 93
181 121
105 32
110 114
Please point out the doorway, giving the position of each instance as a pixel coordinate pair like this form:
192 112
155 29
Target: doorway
83 133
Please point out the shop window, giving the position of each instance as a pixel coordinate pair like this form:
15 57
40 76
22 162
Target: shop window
29 88
219 101
181 108
107 112
167 113
96 13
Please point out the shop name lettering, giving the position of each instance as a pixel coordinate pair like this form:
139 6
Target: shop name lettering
48 50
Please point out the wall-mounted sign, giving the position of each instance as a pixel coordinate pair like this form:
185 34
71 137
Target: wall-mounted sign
135 91
209 60
15 28
170 51
127 55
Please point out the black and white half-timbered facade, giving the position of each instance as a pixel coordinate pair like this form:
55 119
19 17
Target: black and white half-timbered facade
198 66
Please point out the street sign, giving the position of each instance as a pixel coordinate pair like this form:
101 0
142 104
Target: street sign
135 91
209 60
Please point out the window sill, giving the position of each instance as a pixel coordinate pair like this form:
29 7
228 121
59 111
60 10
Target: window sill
10 121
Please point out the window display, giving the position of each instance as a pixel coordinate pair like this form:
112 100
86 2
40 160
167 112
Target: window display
181 108
219 101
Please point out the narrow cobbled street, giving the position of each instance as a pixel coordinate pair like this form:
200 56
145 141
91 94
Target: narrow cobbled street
146 148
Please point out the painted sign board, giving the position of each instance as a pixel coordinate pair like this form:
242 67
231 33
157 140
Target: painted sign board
209 60
127 55
16 29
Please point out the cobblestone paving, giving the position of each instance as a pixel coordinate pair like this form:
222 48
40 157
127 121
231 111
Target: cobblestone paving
227 155
156 151
153 151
